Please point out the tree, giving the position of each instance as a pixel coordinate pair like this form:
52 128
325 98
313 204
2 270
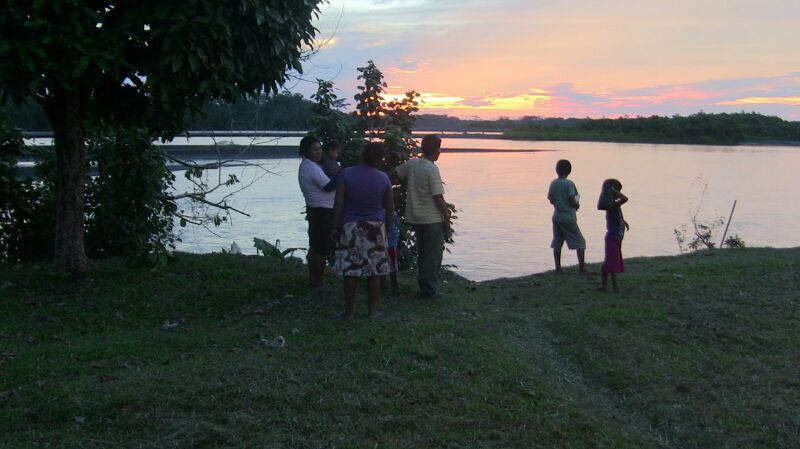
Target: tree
143 63
370 114
375 119
329 122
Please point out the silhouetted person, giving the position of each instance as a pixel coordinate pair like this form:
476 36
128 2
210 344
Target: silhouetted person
330 158
426 212
364 206
611 201
318 191
563 195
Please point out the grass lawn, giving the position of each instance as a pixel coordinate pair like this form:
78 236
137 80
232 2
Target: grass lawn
222 351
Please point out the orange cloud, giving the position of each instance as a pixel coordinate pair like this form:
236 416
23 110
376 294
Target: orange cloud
431 100
792 101
518 102
486 106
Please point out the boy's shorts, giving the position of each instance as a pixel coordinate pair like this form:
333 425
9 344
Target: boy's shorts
569 232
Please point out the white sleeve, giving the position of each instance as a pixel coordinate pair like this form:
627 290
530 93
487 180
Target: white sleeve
318 177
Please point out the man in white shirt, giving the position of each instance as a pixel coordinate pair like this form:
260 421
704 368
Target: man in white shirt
319 192
426 212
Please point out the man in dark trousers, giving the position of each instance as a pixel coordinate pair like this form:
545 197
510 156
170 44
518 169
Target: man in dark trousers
426 212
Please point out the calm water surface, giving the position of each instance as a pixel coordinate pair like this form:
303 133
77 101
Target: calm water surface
504 227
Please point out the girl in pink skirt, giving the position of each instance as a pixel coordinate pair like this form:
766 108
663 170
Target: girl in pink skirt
611 201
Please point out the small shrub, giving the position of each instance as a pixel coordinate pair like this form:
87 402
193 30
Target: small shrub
734 241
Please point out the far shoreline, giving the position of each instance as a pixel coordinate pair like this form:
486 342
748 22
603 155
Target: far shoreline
283 150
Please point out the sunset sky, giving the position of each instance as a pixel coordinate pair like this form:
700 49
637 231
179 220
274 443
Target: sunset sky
569 58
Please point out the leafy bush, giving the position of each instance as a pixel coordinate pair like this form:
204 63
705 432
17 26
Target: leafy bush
701 235
126 211
27 204
734 241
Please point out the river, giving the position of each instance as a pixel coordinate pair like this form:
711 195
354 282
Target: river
503 227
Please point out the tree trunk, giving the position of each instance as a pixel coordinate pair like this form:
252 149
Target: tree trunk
65 116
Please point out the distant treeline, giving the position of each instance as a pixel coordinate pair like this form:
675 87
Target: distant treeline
281 112
292 112
700 128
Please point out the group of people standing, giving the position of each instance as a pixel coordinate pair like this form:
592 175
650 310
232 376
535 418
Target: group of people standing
351 212
564 197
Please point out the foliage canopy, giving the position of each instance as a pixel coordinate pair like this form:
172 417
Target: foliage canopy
144 64
157 58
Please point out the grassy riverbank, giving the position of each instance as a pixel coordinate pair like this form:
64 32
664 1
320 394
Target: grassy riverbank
700 351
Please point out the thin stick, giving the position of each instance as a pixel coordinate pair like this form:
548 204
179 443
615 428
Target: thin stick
728 224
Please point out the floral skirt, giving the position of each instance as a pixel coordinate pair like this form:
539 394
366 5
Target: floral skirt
361 250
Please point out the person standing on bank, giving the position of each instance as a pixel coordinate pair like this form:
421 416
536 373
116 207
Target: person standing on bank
319 192
426 212
563 195
364 205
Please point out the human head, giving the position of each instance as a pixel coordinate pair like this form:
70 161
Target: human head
332 148
430 146
372 154
310 148
611 182
563 168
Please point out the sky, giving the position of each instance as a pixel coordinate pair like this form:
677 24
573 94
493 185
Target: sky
567 58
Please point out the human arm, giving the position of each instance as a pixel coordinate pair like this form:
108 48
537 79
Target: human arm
573 197
573 201
320 180
436 188
332 184
441 205
619 198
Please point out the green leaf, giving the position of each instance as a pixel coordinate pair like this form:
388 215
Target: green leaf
193 62
177 62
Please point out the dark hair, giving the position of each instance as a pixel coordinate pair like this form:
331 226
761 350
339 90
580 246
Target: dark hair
611 182
372 154
430 144
606 200
563 167
306 143
331 145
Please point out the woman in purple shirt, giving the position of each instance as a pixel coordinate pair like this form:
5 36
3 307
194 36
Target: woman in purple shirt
364 204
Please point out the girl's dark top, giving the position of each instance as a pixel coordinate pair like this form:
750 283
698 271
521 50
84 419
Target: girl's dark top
615 223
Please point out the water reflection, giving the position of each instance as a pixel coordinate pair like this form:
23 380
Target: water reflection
504 220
